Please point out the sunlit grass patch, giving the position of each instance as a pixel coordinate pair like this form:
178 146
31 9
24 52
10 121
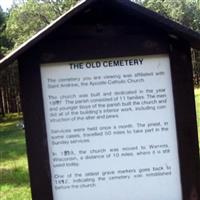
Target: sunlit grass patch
20 192
14 179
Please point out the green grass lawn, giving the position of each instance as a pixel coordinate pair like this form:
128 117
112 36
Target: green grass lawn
14 179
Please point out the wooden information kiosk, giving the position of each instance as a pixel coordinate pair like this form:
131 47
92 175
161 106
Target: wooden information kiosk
109 106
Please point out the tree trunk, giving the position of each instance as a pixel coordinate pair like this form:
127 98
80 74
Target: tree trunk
2 107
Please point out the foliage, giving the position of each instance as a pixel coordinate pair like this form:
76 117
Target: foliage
5 43
9 90
14 179
186 12
28 17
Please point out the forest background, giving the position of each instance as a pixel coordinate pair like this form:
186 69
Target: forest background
26 17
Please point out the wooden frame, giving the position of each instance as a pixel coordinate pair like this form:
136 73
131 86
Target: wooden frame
181 68
101 29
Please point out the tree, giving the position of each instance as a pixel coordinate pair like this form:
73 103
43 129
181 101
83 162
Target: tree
9 90
186 12
28 17
25 18
5 43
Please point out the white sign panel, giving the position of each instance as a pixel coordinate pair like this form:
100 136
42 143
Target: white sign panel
111 129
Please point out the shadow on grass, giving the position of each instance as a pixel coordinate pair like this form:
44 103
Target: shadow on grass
11 117
12 140
12 146
6 156
16 177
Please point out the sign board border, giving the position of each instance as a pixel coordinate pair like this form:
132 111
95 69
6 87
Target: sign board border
36 137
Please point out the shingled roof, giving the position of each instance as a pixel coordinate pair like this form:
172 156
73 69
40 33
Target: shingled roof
169 26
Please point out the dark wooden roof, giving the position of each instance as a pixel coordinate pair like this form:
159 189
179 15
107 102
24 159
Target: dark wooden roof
170 27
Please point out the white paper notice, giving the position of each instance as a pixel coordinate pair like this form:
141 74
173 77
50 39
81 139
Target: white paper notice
111 129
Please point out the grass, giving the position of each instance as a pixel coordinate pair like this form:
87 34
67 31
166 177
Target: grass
14 179
197 98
